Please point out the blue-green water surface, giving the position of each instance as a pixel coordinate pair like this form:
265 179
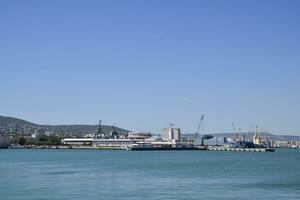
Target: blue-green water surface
93 174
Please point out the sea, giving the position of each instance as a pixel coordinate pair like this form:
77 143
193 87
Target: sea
42 174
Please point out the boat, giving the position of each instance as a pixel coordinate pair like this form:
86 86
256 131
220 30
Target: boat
4 142
160 146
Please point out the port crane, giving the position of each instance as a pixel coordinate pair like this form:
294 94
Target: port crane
237 132
99 131
247 139
199 126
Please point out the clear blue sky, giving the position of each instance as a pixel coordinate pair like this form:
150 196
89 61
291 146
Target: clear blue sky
144 64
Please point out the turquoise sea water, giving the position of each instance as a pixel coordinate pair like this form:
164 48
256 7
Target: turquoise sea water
92 174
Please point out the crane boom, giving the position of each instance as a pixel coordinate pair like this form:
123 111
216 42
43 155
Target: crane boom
99 131
236 131
234 128
199 126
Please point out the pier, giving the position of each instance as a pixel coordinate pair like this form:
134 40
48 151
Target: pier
241 149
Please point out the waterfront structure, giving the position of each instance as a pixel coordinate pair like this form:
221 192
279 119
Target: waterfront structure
285 144
162 145
139 135
98 143
171 134
170 140
281 144
241 149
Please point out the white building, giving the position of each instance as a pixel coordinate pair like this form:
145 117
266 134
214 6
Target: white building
171 134
97 142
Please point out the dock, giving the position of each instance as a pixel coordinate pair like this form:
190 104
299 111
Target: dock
241 149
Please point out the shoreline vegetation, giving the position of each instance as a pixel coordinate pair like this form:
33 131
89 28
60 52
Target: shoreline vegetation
42 140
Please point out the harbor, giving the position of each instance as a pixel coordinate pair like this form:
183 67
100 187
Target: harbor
150 100
170 139
103 137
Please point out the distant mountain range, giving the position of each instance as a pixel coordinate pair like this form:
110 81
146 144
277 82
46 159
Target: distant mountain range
11 125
